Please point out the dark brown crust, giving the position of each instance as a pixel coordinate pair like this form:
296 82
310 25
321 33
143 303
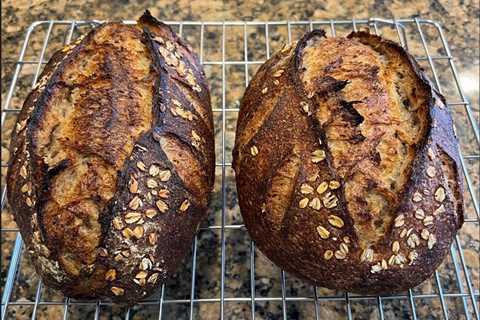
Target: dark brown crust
282 131
163 238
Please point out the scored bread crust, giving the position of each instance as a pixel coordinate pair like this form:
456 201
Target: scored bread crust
112 161
347 164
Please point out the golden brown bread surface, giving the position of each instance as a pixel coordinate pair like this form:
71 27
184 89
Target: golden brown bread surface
346 164
113 161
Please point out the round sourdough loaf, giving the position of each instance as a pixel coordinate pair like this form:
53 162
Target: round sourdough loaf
112 161
347 166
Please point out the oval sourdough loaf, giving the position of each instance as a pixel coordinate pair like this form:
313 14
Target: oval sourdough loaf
347 166
112 161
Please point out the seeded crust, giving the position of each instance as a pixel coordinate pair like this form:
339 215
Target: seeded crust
347 166
112 161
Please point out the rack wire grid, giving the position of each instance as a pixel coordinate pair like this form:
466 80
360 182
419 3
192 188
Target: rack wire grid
226 277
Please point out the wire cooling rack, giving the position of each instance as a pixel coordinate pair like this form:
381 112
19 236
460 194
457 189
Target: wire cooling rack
226 277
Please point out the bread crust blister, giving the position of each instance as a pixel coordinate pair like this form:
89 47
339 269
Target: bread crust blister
112 161
347 165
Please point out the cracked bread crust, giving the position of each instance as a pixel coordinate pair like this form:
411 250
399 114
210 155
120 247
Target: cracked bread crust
112 161
347 166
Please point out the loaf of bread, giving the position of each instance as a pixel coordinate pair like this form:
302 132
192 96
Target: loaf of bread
112 161
347 166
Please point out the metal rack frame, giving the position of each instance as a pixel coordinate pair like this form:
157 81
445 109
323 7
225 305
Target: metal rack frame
467 292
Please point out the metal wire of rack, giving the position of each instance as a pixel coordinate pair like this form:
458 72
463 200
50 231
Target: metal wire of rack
461 302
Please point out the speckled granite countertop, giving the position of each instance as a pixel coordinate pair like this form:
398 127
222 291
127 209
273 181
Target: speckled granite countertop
460 23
